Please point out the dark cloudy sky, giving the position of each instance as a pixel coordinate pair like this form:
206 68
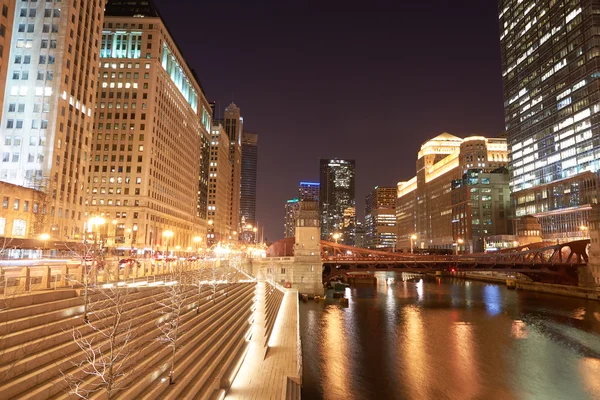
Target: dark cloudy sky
364 80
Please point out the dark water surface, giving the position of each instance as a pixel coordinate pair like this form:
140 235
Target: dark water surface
450 339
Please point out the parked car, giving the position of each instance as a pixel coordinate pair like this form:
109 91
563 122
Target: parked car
128 261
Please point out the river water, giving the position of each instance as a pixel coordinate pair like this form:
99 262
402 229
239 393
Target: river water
447 338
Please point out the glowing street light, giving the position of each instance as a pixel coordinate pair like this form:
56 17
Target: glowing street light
412 243
44 237
459 241
336 236
167 235
583 230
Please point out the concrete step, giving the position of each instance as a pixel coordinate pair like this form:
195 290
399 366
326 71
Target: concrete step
28 305
201 332
139 365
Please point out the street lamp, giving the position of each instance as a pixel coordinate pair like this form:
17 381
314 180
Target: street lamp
336 236
583 230
255 238
459 241
44 238
412 241
167 235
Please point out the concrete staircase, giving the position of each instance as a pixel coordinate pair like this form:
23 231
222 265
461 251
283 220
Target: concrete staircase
273 298
37 348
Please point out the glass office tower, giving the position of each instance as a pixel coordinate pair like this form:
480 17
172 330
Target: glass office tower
551 74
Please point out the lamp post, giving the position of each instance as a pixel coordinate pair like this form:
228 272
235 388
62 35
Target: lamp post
412 243
44 238
255 238
94 221
336 236
459 241
197 240
583 230
167 235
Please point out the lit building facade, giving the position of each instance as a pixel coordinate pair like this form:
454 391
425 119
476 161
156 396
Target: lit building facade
151 121
233 123
219 186
309 191
380 218
480 208
551 105
337 202
47 113
248 185
424 203
291 215
7 16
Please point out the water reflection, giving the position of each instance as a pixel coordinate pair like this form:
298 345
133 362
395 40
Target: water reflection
443 339
335 367
414 352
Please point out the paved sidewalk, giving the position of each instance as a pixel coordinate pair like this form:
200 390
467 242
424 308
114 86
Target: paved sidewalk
260 377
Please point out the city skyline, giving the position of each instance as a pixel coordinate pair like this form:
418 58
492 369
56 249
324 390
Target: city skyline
274 78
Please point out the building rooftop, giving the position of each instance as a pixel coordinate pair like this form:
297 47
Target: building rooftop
131 8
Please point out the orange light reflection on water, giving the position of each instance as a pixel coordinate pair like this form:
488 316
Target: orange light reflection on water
336 365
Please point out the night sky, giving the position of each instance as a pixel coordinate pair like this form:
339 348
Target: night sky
364 80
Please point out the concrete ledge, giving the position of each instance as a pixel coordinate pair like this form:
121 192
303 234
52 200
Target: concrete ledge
563 290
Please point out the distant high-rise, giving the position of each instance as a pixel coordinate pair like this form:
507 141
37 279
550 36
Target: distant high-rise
337 203
233 123
219 187
291 215
551 75
248 178
47 114
309 191
380 218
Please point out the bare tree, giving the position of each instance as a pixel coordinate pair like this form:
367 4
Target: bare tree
105 351
200 277
173 300
89 262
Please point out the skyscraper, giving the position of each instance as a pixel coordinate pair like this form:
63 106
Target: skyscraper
219 193
551 74
248 179
233 123
47 114
336 200
7 17
291 215
380 218
309 191
151 123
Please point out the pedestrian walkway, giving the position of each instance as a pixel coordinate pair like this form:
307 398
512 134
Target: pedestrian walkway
263 377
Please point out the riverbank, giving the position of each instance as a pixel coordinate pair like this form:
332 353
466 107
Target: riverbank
521 284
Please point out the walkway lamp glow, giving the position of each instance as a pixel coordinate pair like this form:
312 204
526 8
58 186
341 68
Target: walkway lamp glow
167 235
459 241
336 236
412 243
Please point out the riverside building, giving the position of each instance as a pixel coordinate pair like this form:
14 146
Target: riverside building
151 122
551 103
424 203
51 68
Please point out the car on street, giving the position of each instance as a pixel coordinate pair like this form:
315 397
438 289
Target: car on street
128 262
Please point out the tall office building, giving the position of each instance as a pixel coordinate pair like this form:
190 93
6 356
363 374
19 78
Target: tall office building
337 203
151 121
7 17
219 186
380 218
46 125
424 203
309 191
248 179
551 104
233 123
291 215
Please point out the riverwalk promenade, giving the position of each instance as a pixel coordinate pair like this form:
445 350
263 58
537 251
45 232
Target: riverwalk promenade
270 365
